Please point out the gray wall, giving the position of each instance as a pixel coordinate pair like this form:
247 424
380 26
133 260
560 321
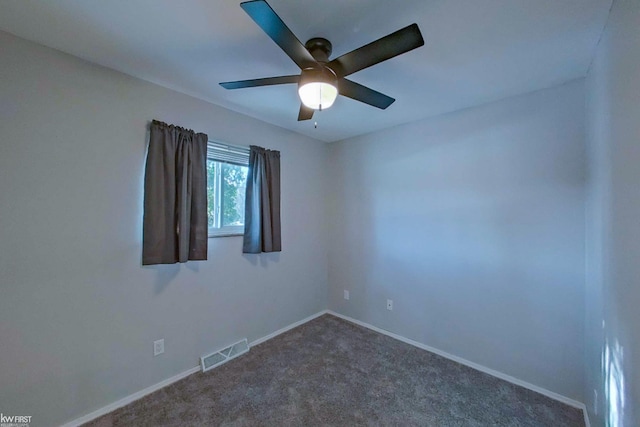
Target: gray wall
613 227
78 313
473 223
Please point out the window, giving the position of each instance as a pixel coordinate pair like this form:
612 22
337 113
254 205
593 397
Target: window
227 168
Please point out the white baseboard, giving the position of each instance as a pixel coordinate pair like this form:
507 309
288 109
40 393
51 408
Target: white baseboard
287 328
142 393
492 372
131 398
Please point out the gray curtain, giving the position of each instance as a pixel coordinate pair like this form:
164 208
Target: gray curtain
262 203
175 196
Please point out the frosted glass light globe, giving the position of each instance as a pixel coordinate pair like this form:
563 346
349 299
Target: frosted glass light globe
318 95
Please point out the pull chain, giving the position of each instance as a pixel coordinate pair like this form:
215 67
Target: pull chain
315 124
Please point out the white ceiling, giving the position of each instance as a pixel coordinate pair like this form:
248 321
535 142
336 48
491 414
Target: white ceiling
475 51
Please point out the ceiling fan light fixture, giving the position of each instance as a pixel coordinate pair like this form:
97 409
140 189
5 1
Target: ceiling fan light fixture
318 88
318 95
322 78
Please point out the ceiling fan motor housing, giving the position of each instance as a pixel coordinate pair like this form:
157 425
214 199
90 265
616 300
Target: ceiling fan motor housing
319 48
320 73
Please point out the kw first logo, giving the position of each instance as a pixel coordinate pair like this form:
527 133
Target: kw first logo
14 420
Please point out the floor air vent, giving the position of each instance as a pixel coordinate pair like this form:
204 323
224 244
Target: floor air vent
212 360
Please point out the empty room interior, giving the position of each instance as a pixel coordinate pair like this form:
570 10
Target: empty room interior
308 213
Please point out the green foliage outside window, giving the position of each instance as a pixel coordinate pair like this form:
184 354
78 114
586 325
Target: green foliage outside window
234 179
225 194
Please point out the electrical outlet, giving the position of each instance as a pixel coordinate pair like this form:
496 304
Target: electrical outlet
346 294
158 347
595 401
389 305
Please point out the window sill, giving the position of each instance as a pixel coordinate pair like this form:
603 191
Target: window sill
212 236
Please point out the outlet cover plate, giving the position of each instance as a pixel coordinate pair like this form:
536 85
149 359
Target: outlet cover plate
158 347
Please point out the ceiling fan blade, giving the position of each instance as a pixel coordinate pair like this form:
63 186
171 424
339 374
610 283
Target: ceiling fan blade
268 81
270 22
361 93
380 50
305 113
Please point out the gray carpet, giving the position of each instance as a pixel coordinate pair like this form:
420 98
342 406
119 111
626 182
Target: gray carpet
330 372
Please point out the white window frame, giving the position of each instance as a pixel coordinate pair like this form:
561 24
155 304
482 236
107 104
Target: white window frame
234 155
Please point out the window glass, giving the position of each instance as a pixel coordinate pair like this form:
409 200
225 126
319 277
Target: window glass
226 184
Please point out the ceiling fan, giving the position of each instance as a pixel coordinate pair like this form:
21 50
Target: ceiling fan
321 79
